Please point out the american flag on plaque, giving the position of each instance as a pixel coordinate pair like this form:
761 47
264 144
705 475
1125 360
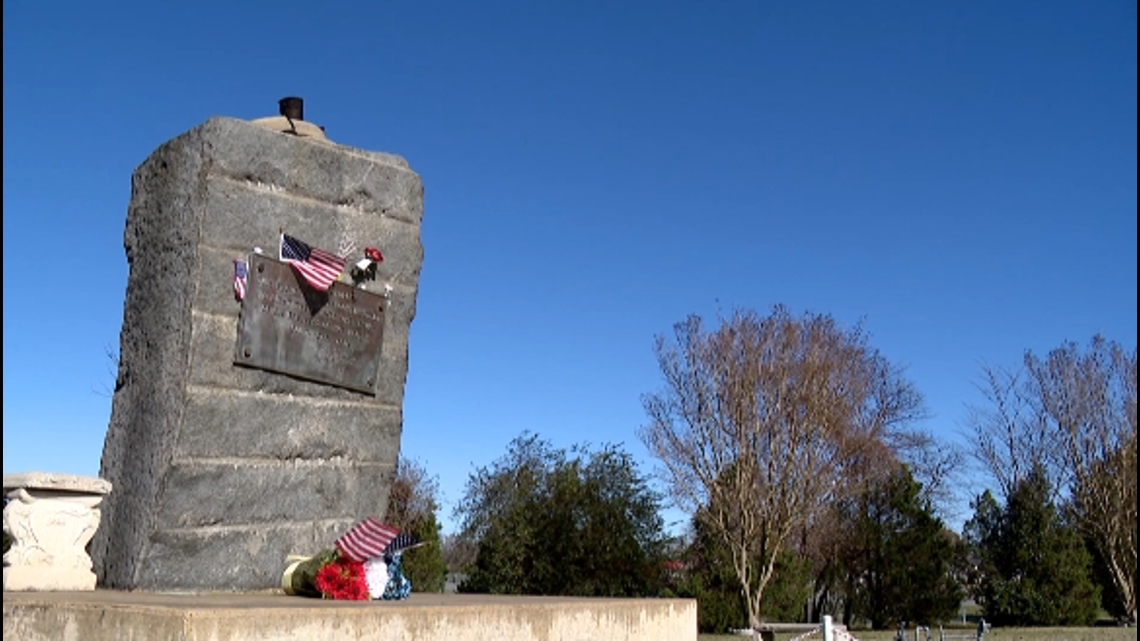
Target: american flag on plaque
241 276
319 268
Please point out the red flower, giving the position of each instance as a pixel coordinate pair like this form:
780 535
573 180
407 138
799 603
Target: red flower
343 580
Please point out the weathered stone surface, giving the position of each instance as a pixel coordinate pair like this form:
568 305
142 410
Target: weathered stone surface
235 493
247 214
331 174
278 427
198 446
106 615
249 557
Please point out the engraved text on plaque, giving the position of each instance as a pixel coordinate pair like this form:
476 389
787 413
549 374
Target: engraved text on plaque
286 326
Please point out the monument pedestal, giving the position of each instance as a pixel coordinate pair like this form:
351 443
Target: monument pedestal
108 615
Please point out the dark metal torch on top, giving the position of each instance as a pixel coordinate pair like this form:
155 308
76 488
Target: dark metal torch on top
292 108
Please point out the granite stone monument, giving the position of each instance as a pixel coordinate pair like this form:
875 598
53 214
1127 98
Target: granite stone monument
243 431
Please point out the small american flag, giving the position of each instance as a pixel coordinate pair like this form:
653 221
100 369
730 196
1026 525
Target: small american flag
403 541
366 540
241 274
318 267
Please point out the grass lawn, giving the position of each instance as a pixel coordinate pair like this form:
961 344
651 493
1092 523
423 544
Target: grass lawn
996 634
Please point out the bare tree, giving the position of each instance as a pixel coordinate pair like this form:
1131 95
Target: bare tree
1073 414
1088 401
412 506
1010 439
414 495
459 552
936 465
766 421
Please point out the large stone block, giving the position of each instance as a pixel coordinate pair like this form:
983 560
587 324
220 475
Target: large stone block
203 452
248 557
234 492
284 428
333 174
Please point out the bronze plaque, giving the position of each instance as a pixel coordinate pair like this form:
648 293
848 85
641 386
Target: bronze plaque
287 326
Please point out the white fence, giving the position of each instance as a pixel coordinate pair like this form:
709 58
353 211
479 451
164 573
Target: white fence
922 633
829 630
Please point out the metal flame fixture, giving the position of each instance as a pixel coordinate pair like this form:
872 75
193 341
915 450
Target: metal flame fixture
292 120
292 108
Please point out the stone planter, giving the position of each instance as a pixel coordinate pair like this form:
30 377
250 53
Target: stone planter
51 518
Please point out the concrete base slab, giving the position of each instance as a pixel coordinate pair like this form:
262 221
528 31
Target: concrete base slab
106 615
19 578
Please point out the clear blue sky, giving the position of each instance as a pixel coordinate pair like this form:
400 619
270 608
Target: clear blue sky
959 175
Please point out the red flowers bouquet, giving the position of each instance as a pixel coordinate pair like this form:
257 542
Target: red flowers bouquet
364 565
343 580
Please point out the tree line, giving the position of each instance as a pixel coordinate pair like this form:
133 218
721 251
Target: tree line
795 448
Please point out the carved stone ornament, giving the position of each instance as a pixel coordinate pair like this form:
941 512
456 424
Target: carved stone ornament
51 518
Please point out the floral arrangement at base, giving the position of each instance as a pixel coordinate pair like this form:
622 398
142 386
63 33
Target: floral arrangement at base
364 565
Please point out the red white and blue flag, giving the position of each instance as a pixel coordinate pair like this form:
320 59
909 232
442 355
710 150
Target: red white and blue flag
241 275
368 539
319 268
403 541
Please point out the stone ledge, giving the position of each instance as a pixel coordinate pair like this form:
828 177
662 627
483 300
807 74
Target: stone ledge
57 483
106 615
